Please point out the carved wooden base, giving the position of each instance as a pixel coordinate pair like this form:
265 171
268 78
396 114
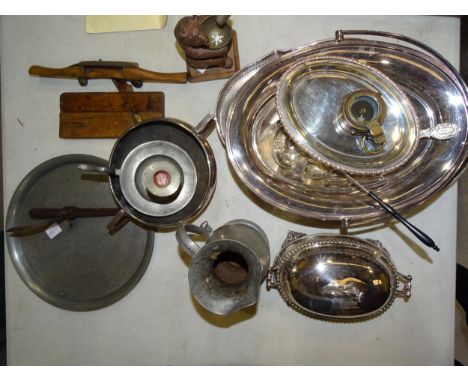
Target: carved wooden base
217 73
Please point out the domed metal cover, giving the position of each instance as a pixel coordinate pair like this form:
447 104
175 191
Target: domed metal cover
336 277
274 168
151 158
347 115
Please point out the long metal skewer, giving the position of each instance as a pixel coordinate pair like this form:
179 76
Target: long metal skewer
390 210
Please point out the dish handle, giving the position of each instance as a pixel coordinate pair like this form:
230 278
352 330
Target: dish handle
205 126
405 291
340 34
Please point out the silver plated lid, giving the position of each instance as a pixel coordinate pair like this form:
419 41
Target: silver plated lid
337 277
347 115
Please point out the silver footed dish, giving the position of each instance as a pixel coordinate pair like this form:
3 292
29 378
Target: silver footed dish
337 277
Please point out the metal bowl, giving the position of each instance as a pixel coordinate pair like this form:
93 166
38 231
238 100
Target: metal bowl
161 172
219 35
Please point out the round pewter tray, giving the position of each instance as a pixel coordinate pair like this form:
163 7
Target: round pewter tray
246 108
83 268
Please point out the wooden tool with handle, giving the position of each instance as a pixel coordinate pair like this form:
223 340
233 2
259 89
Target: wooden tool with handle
116 70
56 216
107 115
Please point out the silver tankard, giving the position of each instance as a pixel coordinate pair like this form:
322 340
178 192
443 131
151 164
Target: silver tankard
226 273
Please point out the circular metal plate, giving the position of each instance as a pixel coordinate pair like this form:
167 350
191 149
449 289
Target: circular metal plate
310 96
132 179
83 268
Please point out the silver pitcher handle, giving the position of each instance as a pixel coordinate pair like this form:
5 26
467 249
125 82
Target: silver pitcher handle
186 242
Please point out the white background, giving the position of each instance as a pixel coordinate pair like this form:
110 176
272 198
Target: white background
158 322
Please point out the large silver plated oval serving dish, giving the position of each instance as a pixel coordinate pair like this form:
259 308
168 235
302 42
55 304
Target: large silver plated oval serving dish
337 277
273 166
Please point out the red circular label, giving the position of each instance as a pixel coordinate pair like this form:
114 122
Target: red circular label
161 178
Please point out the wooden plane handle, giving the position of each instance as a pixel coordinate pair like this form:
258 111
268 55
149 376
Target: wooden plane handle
71 71
124 73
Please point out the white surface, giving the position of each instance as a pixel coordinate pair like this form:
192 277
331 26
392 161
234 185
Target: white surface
158 322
